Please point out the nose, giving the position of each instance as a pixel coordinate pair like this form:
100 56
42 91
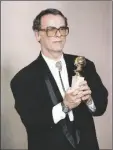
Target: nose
58 33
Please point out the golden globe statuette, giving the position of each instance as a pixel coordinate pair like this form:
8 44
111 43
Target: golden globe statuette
80 62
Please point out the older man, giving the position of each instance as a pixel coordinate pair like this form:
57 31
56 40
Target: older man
57 116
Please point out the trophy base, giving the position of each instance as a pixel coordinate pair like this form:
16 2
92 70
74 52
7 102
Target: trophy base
76 81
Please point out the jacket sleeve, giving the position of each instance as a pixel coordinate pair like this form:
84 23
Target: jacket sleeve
30 105
99 92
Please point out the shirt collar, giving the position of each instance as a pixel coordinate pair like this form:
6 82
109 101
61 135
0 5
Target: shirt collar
52 62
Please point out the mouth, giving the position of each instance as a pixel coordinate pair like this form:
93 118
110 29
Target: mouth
57 41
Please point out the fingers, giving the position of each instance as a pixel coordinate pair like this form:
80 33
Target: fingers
72 90
75 96
80 92
87 92
74 104
86 97
84 87
73 99
84 91
75 92
83 83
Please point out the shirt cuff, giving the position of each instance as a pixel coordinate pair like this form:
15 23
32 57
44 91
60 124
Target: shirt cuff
91 106
57 113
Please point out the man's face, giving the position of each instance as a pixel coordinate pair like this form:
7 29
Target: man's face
52 43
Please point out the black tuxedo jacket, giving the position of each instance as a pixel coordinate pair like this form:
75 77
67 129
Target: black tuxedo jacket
34 105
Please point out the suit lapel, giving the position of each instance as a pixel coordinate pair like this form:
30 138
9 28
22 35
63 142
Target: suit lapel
48 77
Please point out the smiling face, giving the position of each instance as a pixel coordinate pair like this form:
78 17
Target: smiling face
51 45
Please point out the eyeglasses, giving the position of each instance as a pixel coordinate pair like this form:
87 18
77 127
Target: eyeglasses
52 31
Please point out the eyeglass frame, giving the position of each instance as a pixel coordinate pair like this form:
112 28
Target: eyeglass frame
58 29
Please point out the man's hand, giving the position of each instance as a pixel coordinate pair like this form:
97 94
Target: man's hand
86 92
72 98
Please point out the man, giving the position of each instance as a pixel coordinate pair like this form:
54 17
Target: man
56 115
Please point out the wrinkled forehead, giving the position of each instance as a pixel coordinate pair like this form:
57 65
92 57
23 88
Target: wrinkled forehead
52 20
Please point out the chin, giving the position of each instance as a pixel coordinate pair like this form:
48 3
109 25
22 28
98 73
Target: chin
58 49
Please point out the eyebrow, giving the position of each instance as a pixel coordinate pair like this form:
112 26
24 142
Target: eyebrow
55 27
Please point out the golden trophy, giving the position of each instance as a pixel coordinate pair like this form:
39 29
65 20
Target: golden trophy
80 62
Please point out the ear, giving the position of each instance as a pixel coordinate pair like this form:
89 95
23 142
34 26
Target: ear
37 35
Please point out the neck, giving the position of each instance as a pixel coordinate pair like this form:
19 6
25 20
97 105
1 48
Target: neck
55 55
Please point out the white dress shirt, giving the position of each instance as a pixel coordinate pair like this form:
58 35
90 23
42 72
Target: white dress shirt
57 112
